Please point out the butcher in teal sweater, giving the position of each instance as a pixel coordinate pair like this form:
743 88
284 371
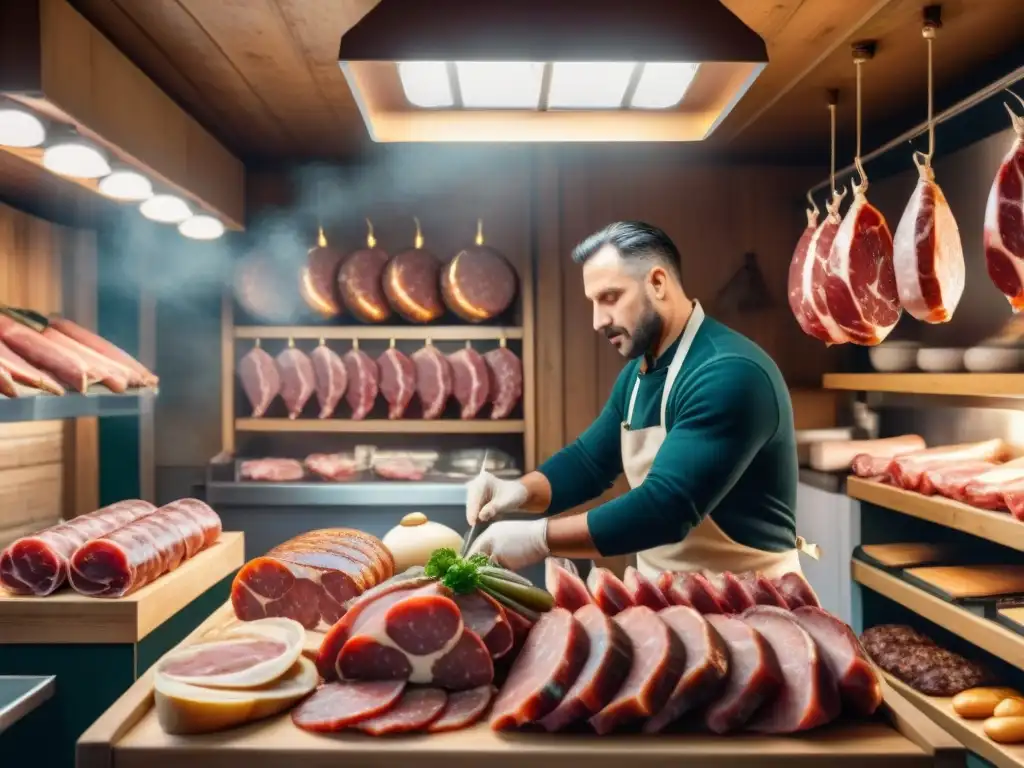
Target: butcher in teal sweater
729 449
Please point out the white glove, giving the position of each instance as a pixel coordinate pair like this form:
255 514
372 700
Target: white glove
487 496
514 544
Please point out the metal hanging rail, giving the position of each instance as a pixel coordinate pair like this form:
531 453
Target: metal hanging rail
921 128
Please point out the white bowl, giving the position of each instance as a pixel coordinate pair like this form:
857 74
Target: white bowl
993 359
940 359
892 356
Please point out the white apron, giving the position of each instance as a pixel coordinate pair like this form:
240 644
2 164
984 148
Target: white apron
706 547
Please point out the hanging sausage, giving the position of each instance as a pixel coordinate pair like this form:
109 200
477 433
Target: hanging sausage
359 282
479 283
411 283
318 281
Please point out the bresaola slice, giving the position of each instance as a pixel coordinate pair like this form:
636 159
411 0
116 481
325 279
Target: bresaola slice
548 664
707 664
338 705
658 662
567 588
608 592
642 590
928 258
464 708
415 711
859 686
754 675
608 663
809 696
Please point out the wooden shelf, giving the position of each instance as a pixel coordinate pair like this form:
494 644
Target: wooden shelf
68 617
992 637
968 732
385 426
380 332
1013 617
1000 527
959 384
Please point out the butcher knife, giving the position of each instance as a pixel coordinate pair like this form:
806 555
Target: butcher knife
475 528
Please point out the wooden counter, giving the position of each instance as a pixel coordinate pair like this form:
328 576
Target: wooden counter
129 736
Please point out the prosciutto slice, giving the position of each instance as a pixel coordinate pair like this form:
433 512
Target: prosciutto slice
928 257
1004 221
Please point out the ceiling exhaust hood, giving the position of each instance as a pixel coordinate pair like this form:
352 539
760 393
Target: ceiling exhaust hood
548 70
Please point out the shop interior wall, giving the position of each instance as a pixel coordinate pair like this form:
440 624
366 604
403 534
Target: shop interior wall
48 470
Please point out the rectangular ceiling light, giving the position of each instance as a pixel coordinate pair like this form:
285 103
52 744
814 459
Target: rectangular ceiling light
662 84
500 84
426 83
589 85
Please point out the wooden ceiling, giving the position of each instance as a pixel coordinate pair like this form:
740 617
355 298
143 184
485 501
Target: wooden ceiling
262 75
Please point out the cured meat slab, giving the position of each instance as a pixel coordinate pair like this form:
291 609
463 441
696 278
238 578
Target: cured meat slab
38 564
143 376
607 591
310 577
433 380
471 384
479 283
505 380
482 614
1004 223
363 381
359 284
63 364
23 372
318 279
567 589
397 381
809 274
331 378
642 590
411 285
548 664
271 470
336 467
130 557
261 380
298 379
754 675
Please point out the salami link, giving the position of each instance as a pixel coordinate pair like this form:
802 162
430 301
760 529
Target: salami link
138 553
38 564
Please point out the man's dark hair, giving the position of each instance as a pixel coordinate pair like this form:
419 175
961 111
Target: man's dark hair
635 241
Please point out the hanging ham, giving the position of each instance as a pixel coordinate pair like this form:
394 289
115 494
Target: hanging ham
298 380
331 378
479 283
811 267
318 281
359 283
1004 221
411 283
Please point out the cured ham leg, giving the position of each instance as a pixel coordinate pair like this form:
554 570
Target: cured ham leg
1004 220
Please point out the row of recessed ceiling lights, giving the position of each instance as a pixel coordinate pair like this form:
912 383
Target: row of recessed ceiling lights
75 157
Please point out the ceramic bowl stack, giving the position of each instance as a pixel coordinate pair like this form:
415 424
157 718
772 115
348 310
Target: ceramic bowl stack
894 356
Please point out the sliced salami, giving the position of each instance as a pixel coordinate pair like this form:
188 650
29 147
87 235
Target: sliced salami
464 709
415 710
338 705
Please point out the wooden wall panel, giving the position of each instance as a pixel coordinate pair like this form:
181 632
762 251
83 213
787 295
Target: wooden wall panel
39 461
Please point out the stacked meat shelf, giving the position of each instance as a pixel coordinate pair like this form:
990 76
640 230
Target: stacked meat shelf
487 666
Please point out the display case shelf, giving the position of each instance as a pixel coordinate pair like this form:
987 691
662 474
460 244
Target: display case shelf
986 634
999 527
956 384
97 401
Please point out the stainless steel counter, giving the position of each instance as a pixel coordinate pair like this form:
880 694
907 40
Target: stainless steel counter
20 694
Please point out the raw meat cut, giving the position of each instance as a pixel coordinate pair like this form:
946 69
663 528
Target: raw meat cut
464 709
486 617
397 380
359 283
1013 498
471 383
298 380
908 469
1004 221
318 281
331 378
860 289
433 380
272 470
754 676
729 591
415 711
505 380
988 490
68 367
411 284
363 378
261 380
808 272
795 590
920 663
38 564
137 554
761 589
707 664
692 589
332 466
143 376
642 591
416 635
872 467
478 284
567 589
658 662
928 258
550 661
310 577
98 368
338 705
23 372
859 686
399 468
608 663
950 480
610 594
835 455
809 695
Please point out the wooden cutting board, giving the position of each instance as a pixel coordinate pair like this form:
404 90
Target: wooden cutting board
908 554
1013 617
967 581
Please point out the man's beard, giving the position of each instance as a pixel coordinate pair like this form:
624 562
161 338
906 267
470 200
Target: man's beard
644 337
